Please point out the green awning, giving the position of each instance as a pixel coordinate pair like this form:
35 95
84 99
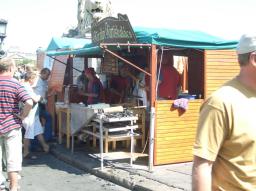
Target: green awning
67 43
162 37
93 50
182 39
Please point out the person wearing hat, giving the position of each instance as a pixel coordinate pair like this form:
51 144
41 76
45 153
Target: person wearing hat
225 145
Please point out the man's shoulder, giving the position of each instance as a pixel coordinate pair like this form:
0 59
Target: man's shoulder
9 80
40 82
228 89
226 94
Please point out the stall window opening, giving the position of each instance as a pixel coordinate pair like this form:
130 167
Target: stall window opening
181 65
169 78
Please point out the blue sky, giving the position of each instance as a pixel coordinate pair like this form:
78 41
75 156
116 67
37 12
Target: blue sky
32 23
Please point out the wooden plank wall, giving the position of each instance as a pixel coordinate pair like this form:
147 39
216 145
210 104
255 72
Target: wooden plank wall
56 83
175 132
57 74
220 66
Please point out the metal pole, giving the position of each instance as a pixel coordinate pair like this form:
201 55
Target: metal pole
2 52
1 42
72 144
153 69
124 44
101 143
132 134
151 138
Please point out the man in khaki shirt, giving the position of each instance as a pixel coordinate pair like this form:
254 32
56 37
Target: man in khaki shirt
225 146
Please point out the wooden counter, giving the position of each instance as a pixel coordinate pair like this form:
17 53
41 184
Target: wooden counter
71 119
175 132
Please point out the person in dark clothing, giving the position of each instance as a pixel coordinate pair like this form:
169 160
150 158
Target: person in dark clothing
94 88
82 83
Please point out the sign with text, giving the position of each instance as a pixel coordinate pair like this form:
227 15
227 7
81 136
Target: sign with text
113 30
109 65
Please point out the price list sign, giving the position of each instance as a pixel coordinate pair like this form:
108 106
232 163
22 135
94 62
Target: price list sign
110 65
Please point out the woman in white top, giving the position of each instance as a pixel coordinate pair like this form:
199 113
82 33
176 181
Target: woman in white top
31 123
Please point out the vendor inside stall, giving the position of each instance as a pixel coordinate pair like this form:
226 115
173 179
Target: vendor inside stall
82 81
169 79
120 85
94 93
82 84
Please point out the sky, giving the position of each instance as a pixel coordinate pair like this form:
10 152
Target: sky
32 23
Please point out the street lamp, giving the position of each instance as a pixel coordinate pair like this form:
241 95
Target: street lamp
3 25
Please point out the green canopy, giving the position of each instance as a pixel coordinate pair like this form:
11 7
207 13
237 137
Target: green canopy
182 39
93 50
163 37
67 43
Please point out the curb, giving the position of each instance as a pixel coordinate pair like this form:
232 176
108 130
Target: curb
120 177
101 174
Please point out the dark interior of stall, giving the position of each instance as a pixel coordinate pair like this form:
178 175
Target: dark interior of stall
196 73
188 62
190 65
110 66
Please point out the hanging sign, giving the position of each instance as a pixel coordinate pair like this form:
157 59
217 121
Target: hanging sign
109 65
113 30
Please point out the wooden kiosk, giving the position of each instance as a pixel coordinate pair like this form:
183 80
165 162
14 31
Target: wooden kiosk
175 132
211 62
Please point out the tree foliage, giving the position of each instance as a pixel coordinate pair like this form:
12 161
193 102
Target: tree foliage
25 61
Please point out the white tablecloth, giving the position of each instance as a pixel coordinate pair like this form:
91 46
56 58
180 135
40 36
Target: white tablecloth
80 117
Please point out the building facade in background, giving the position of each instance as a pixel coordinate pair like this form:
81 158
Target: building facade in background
89 11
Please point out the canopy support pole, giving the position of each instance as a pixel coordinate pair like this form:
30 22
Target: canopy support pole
153 69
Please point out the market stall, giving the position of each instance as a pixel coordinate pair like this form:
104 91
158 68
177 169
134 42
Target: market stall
58 68
210 62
